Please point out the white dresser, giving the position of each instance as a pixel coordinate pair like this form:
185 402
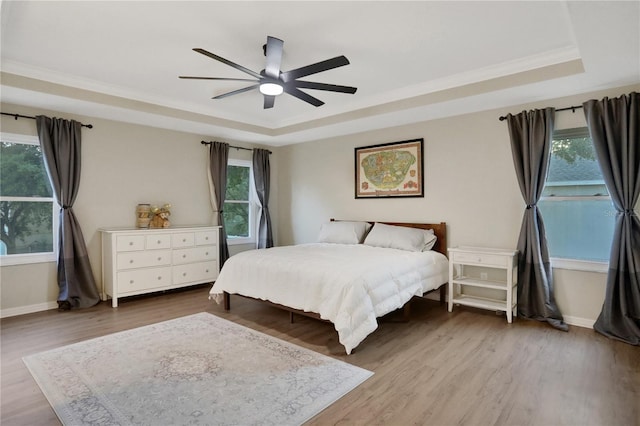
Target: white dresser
138 261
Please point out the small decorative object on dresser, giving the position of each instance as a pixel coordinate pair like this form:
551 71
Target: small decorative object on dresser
136 261
463 280
160 217
143 215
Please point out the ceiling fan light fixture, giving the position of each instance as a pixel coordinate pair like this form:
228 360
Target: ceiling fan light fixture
271 89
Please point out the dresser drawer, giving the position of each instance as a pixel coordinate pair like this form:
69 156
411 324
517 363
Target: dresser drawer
206 238
182 240
157 242
484 259
143 279
143 259
130 242
195 254
203 271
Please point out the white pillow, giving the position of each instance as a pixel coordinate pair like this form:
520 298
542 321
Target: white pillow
400 237
343 232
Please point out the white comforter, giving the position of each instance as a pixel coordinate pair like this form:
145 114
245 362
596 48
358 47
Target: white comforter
349 285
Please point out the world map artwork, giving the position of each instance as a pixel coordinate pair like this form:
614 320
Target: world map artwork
387 170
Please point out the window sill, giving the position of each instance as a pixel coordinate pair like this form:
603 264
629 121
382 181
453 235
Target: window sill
26 259
240 241
580 265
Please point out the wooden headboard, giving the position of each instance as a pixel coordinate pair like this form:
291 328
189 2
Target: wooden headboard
439 229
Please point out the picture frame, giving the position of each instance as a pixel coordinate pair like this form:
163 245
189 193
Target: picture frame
390 170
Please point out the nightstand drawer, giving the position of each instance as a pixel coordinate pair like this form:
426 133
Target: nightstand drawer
483 259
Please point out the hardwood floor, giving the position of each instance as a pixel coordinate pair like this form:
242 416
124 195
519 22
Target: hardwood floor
468 367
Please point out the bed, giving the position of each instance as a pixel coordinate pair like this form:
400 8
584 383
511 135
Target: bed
356 273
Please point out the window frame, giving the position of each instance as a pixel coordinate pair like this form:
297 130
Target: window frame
571 263
30 258
252 202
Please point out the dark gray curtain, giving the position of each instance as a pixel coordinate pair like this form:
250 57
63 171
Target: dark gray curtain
60 142
262 178
531 137
218 159
614 125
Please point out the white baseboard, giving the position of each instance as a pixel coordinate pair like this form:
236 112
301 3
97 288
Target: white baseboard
21 310
579 322
570 320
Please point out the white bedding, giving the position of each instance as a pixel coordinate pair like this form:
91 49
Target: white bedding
348 284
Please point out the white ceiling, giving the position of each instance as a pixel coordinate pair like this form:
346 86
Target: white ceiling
411 61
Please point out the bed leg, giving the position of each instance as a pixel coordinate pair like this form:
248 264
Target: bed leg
290 317
226 301
443 294
406 311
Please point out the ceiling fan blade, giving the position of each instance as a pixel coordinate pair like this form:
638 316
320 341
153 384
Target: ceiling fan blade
274 57
336 62
214 78
228 62
235 92
303 96
269 101
323 86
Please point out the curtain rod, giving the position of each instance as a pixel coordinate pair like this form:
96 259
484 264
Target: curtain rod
232 146
572 108
16 116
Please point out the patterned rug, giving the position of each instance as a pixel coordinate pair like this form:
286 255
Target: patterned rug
195 370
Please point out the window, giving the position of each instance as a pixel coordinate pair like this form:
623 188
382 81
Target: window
579 216
28 211
239 209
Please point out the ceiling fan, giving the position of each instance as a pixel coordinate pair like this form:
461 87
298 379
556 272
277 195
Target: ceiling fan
272 81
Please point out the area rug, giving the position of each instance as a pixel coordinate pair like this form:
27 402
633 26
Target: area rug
195 370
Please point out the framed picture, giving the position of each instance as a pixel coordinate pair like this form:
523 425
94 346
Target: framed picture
390 170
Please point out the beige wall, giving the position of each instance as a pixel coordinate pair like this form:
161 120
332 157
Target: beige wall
122 165
470 183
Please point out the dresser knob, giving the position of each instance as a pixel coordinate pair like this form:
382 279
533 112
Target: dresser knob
131 261
130 243
159 259
206 270
130 281
184 256
159 278
206 253
184 240
158 241
184 274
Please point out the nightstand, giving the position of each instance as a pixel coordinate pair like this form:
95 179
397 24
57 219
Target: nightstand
484 265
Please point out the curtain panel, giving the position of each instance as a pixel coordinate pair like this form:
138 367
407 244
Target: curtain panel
262 180
61 150
531 137
614 125
218 160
